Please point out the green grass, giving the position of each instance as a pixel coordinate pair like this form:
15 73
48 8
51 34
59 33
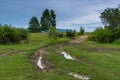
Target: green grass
18 65
99 65
104 65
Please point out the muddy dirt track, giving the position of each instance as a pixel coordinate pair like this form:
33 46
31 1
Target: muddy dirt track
42 52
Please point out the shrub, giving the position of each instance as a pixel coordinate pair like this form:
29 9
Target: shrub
59 34
9 34
52 32
5 33
117 41
101 35
23 33
70 33
81 32
116 33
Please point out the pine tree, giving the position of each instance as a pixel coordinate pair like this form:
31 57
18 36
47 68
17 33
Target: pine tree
53 18
34 25
48 19
45 20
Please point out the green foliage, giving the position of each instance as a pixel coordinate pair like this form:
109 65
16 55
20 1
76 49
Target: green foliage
12 35
45 20
116 33
70 33
52 32
82 30
101 35
111 20
59 34
34 25
48 19
111 17
105 35
117 41
23 33
53 18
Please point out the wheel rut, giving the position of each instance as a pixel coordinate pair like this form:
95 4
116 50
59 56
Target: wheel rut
42 53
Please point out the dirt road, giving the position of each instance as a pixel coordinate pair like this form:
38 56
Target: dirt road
42 52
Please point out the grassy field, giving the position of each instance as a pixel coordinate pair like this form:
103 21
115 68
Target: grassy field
99 61
16 65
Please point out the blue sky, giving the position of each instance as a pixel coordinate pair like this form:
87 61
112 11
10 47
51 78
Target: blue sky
69 12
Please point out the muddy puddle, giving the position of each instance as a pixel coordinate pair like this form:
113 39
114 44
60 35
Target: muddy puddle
39 63
67 56
81 77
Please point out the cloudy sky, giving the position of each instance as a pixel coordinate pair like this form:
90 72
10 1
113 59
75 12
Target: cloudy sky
69 12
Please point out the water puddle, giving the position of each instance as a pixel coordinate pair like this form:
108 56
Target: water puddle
39 63
67 56
82 77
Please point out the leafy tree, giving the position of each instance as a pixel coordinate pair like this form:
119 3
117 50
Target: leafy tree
81 32
48 19
111 17
34 25
111 20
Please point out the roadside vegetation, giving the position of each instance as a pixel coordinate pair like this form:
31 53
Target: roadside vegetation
111 31
9 34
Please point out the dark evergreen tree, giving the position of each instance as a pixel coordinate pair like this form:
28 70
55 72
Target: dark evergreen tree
48 19
53 18
45 20
34 25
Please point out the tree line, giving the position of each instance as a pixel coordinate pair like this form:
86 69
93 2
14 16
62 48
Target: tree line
47 20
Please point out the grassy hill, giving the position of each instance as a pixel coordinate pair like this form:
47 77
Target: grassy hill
98 61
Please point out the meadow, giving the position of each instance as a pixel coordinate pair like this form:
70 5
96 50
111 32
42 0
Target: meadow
98 61
14 59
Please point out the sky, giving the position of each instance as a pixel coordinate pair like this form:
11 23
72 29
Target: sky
71 14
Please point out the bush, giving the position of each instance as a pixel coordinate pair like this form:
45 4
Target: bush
9 34
52 32
101 35
23 33
70 33
117 41
81 32
59 34
116 33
